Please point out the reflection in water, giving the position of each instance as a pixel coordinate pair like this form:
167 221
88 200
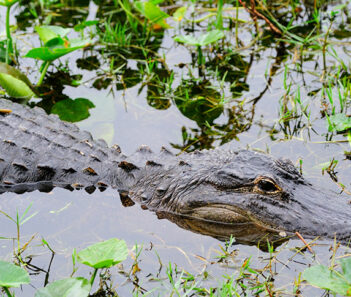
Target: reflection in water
218 100
246 233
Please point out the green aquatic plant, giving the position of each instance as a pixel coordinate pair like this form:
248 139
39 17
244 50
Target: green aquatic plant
12 276
9 47
19 220
15 83
329 278
55 45
152 12
200 41
70 110
98 256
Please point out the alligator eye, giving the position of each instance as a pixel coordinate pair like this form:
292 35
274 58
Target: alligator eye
266 185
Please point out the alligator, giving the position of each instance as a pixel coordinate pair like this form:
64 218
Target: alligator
215 192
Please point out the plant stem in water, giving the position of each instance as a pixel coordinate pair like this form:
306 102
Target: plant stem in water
7 292
45 69
93 277
8 35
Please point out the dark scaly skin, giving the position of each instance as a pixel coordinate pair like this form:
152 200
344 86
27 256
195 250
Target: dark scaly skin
217 192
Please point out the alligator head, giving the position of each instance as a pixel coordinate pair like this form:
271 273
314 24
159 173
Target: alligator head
246 190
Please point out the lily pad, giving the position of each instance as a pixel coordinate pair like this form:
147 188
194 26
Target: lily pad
69 287
339 122
323 277
12 275
104 254
73 110
202 40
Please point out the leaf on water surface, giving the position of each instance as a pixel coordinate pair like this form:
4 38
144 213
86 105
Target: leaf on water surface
339 122
73 110
323 277
46 33
202 40
12 275
153 13
58 50
346 268
69 287
210 37
178 15
104 254
187 39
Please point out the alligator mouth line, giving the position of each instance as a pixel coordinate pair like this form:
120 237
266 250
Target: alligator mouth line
229 215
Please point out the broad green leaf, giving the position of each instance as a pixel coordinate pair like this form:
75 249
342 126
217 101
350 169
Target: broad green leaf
322 277
104 254
339 122
69 287
210 37
7 69
8 3
156 2
346 268
187 39
12 275
202 40
53 53
73 110
56 42
46 33
14 87
178 15
152 12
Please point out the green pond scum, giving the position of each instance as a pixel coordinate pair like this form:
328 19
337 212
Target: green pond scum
260 73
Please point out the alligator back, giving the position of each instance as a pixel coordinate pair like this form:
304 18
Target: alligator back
38 151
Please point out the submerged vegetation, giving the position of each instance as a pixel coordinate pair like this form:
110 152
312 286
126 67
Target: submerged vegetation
277 69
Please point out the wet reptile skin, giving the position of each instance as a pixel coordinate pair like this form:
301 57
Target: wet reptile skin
245 190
